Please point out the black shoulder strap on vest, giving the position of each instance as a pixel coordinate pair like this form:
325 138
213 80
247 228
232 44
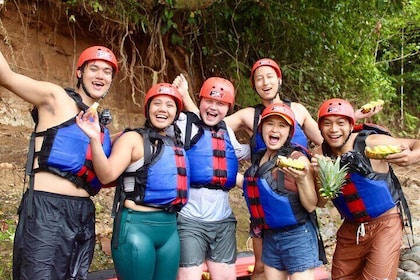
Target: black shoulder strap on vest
30 173
288 102
321 247
257 113
192 118
77 98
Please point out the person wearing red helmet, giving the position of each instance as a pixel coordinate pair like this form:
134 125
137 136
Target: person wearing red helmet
207 225
266 80
371 200
281 200
55 235
153 185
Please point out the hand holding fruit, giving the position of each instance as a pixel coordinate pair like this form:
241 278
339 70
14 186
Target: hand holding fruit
381 151
297 164
371 106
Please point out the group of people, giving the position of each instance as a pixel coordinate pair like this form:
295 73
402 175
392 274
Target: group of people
173 176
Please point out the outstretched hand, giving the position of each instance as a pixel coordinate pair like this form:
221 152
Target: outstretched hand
358 114
89 123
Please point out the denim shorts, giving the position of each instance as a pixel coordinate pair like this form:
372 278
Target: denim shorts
292 250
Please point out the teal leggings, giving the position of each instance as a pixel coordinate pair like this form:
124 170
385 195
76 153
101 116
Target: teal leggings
147 245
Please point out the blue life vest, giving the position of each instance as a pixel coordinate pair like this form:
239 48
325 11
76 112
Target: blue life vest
66 151
257 142
163 181
367 194
212 158
270 204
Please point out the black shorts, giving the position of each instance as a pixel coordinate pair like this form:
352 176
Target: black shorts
57 241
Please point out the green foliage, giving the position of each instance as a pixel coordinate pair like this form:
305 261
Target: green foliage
349 49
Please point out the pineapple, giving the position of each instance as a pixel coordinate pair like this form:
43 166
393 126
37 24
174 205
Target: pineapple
381 151
94 107
331 177
283 161
369 106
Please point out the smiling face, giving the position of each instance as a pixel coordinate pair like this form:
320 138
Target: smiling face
97 77
266 82
336 131
212 111
275 132
162 111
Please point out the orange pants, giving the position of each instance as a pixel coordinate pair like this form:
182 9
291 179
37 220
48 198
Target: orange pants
368 251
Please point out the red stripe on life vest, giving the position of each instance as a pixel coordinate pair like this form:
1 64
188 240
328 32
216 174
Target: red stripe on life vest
88 156
256 210
219 163
355 206
181 179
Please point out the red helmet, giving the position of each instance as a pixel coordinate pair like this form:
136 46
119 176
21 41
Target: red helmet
163 89
218 89
336 107
98 53
282 110
265 62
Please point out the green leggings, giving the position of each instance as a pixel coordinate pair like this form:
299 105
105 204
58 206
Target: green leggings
147 246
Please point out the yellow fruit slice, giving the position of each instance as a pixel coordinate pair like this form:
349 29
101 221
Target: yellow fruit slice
381 151
205 276
283 161
94 107
250 268
369 106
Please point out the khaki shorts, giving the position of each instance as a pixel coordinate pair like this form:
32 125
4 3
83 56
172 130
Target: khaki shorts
368 251
201 241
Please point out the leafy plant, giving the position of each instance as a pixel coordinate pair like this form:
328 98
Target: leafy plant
331 177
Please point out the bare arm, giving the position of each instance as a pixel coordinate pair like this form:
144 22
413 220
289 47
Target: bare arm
322 201
241 120
38 93
410 148
125 150
309 125
182 85
239 180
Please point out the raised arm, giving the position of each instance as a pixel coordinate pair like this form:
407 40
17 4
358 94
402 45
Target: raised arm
182 85
125 150
38 93
242 119
410 148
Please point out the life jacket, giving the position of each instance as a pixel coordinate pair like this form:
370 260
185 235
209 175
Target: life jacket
163 180
270 204
212 158
66 151
367 194
257 142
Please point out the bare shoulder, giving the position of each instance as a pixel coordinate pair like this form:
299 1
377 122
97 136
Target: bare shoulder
241 119
299 107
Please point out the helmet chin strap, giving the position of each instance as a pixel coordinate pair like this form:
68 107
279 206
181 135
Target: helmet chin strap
88 93
345 141
277 93
85 90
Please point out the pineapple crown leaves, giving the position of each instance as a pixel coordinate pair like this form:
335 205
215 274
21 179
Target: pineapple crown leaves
331 177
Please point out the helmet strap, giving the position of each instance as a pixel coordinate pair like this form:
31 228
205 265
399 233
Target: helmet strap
81 83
